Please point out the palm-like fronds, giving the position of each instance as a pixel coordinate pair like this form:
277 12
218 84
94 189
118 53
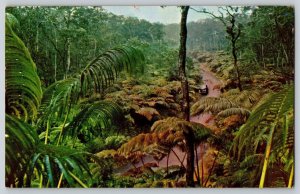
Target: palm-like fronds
102 71
95 78
176 124
12 20
271 117
55 161
157 144
95 118
234 111
24 154
212 105
245 98
268 113
22 84
20 143
58 99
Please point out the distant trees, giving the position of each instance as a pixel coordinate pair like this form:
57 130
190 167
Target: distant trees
203 35
269 39
57 36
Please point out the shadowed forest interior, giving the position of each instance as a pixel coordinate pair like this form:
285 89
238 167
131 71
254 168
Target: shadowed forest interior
96 99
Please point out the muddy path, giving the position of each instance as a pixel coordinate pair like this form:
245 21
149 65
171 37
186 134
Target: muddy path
205 153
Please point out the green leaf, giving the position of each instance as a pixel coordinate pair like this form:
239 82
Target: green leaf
22 84
49 170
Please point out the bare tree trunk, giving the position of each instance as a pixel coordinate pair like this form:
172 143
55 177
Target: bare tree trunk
55 60
188 133
182 63
37 40
68 57
95 47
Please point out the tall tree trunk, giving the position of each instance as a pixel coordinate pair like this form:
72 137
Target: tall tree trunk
37 40
238 75
182 62
234 36
188 133
55 59
68 57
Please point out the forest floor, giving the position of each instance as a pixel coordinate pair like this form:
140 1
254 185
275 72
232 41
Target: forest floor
205 153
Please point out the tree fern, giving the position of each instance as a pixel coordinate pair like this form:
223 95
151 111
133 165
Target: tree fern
212 105
234 111
58 99
22 84
245 98
269 116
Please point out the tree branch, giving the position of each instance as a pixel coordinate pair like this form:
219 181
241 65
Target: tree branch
220 18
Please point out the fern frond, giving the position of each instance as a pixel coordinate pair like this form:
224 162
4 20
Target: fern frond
95 118
20 144
157 144
58 99
101 72
212 105
234 111
245 98
268 113
60 159
22 84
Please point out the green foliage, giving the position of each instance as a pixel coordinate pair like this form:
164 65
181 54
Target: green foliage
212 104
56 116
67 161
22 84
114 142
269 122
268 113
103 70
54 34
94 119
269 36
25 155
58 99
20 144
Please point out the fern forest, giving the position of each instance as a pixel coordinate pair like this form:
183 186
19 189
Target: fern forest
149 96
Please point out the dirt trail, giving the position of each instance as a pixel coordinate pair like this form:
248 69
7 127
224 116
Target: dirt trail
203 151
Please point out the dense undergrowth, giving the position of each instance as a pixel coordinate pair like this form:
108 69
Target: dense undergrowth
116 120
